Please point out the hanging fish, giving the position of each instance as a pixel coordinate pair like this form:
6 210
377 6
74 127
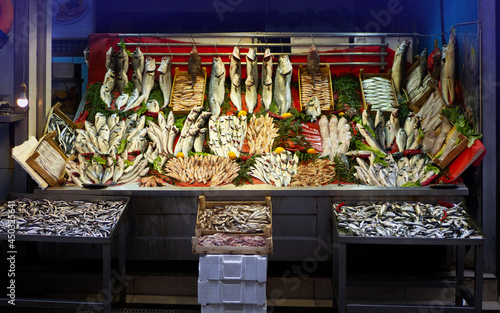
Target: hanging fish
216 86
138 60
235 77
194 65
267 79
165 79
252 81
282 91
399 67
313 62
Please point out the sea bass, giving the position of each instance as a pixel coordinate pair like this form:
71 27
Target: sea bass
399 67
122 61
216 86
138 60
165 79
313 62
252 81
137 79
148 79
448 72
282 91
122 81
267 79
235 77
111 59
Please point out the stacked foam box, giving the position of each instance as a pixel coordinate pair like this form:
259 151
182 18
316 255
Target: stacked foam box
232 283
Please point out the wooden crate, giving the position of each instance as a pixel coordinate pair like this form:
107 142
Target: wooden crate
416 104
363 76
203 204
325 70
36 159
454 153
178 73
267 249
55 110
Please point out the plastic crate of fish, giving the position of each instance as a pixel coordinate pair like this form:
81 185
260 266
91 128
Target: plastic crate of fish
233 267
380 94
231 292
322 89
184 97
417 94
263 226
233 308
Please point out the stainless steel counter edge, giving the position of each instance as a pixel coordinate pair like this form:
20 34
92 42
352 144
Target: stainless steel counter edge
263 190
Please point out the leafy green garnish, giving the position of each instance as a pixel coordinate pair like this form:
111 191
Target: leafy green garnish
128 163
191 153
462 124
429 167
348 90
100 160
122 45
245 166
411 184
156 94
362 146
157 165
343 171
179 121
121 147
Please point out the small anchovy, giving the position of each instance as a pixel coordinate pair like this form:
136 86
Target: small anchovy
61 218
404 220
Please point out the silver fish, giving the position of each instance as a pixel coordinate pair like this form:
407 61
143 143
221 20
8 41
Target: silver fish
401 138
367 120
200 140
106 96
153 106
148 79
118 170
111 59
369 138
165 80
379 119
122 61
313 108
399 67
103 145
137 79
138 60
188 143
110 79
235 77
104 131
282 91
267 79
108 171
216 86
390 134
380 132
122 82
171 138
99 121
121 101
252 81
112 120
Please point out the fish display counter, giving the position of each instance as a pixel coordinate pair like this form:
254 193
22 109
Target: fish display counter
246 119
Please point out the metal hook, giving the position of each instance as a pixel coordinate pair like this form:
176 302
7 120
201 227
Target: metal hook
170 51
312 39
216 52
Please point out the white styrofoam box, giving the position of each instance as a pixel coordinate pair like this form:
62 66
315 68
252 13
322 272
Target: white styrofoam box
231 291
233 267
233 308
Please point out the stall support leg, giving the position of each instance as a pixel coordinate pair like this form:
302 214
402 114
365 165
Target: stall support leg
460 275
122 264
478 279
342 290
107 296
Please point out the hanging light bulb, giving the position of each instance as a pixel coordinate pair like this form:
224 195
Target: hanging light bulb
22 101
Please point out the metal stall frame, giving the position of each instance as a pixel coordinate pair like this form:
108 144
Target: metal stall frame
109 290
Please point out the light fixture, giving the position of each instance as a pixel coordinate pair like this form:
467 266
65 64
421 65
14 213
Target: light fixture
22 101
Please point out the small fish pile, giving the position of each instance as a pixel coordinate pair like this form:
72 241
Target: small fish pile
61 218
321 89
379 94
113 172
260 134
406 137
162 136
208 169
404 220
394 174
152 181
193 132
238 218
185 95
314 174
221 239
335 136
106 135
227 133
417 81
66 135
275 168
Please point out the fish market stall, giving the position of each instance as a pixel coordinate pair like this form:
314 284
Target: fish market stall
321 124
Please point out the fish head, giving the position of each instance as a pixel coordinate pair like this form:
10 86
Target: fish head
218 68
252 54
236 53
110 52
424 54
150 64
194 51
153 106
137 53
284 65
165 64
267 54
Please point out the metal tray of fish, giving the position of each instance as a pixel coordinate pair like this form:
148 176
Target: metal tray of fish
392 221
265 228
64 218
